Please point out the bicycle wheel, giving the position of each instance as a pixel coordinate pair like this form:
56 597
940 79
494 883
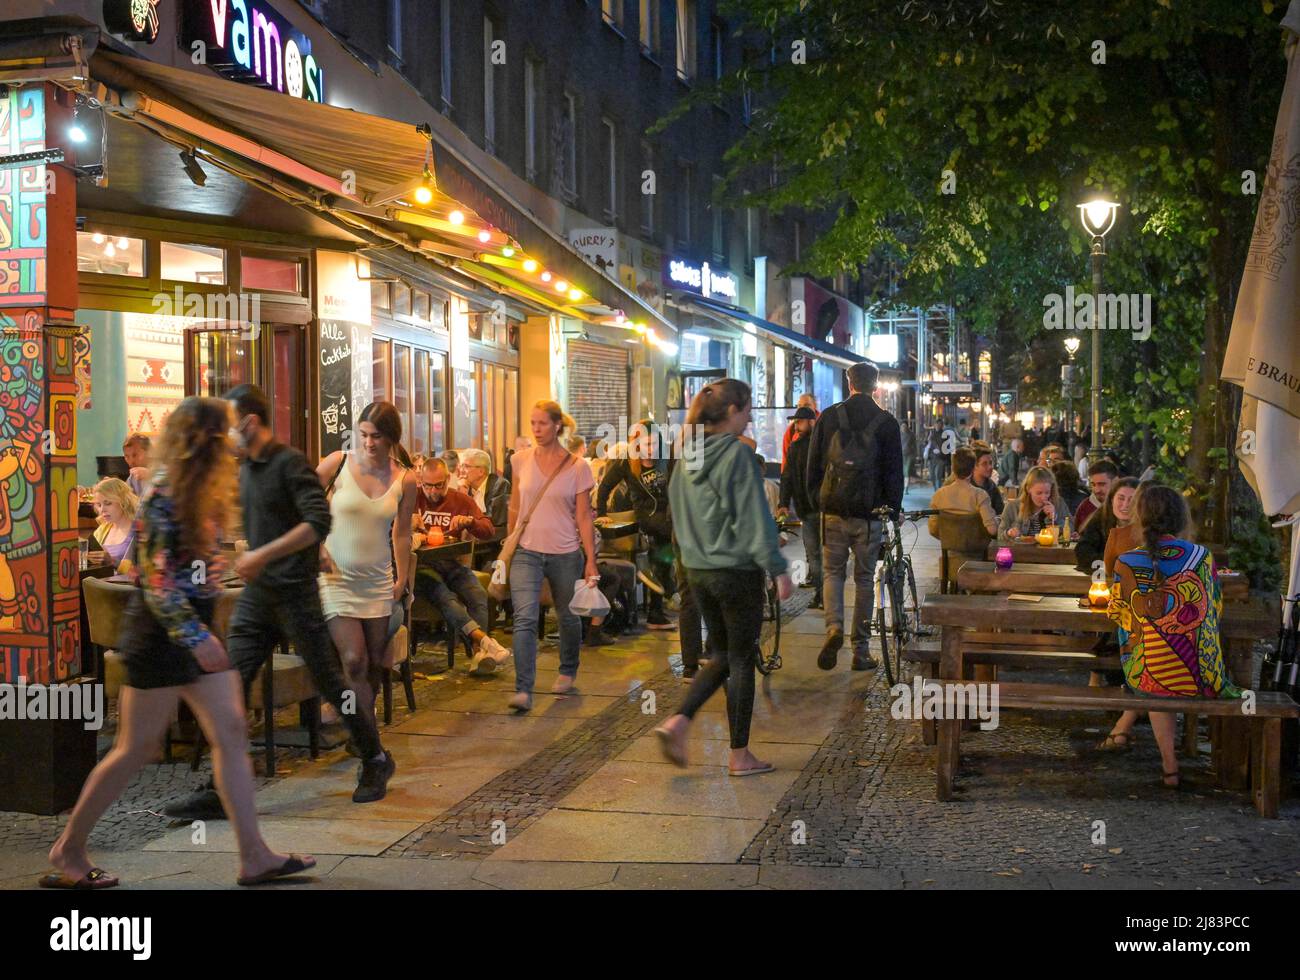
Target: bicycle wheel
769 638
914 610
894 631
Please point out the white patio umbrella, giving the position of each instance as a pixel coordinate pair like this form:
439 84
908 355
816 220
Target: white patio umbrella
1263 354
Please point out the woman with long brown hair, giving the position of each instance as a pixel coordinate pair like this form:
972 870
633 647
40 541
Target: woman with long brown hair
1038 506
729 543
172 654
551 496
1166 601
373 498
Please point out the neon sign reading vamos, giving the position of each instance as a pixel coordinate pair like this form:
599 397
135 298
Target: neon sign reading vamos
247 41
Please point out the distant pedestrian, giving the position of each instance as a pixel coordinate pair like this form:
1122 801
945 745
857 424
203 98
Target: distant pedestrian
794 491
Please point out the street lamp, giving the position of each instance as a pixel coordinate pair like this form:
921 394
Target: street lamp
1071 348
1098 217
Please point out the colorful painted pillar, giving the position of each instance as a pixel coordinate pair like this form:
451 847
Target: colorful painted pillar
39 587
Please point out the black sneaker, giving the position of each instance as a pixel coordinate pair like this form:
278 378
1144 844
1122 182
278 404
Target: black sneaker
597 637
830 650
373 784
865 661
807 585
656 620
817 602
689 672
203 804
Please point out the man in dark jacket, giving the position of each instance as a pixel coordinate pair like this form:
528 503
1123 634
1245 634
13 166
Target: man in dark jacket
855 465
794 489
286 517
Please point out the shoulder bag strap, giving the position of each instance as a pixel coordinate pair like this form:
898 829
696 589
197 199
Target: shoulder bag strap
334 478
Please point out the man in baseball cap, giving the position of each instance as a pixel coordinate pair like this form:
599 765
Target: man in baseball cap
794 489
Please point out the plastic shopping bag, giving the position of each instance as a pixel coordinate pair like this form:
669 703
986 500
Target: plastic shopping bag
588 600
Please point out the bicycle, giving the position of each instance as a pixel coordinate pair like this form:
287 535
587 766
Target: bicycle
769 637
896 580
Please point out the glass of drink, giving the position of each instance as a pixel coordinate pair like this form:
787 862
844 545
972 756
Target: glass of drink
83 549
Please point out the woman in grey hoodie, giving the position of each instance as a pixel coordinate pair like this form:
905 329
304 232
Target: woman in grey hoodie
728 542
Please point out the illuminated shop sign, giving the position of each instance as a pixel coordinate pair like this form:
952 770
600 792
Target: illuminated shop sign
135 20
247 41
707 282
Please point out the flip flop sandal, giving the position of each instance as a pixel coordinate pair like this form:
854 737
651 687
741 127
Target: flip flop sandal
667 743
1113 743
295 865
1171 775
756 771
95 878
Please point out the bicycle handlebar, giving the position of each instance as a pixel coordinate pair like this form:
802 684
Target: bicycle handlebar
887 513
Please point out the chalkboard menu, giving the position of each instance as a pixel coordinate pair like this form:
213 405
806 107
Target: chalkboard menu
336 407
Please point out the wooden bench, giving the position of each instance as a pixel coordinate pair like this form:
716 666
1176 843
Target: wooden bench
1264 726
925 653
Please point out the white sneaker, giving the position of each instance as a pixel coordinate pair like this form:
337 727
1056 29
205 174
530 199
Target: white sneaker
483 663
491 648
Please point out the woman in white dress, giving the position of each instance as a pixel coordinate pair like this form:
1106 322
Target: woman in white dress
373 499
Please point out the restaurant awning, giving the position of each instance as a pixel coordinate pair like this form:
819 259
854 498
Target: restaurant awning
808 345
364 171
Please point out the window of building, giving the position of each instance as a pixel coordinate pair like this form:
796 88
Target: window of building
717 48
445 21
191 263
401 299
570 126
437 402
113 255
715 213
751 235
381 359
684 215
686 40
419 440
379 296
647 200
421 304
610 134
532 113
650 26
611 12
402 383
264 272
395 30
489 89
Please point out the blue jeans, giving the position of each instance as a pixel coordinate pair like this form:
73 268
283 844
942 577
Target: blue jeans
527 569
454 591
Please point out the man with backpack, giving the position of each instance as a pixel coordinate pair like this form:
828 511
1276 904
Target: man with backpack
855 465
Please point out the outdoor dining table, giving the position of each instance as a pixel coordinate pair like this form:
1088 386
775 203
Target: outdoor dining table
609 530
1055 579
1240 624
1029 550
427 555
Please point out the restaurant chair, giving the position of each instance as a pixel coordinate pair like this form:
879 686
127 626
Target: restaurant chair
105 606
962 538
425 616
620 555
399 653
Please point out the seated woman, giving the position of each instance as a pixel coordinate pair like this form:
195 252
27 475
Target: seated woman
1038 506
116 505
1166 601
1117 511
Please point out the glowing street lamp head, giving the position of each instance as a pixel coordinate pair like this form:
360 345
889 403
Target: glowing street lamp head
1072 345
456 217
1098 216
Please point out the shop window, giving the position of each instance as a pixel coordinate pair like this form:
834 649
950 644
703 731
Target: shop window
382 354
112 255
278 275
401 299
421 304
419 437
192 263
379 297
437 402
402 384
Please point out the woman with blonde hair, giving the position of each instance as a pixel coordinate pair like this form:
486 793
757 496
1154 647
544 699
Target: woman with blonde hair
550 504
1038 506
172 654
116 504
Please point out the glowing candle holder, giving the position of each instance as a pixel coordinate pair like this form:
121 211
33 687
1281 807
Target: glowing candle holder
1099 594
1005 559
1046 537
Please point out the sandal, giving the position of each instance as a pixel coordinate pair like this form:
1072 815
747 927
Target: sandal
1113 743
1166 776
95 879
296 864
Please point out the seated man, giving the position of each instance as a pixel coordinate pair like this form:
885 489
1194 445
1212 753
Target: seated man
982 478
961 496
1100 478
450 586
490 492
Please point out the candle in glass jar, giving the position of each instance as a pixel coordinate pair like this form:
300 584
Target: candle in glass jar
1099 594
1005 557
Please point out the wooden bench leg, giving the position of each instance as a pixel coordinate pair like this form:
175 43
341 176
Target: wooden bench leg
1234 753
929 729
948 754
1266 765
1191 734
309 715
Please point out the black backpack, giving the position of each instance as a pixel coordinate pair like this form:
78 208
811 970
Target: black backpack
849 486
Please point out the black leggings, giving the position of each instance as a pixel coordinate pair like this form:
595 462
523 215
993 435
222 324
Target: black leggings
731 601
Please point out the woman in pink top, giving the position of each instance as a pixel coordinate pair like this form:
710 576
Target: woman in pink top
558 544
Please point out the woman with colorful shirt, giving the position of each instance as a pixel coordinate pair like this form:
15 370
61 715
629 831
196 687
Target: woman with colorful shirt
172 654
1166 601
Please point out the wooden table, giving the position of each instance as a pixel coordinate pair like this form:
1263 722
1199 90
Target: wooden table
1240 625
1028 550
426 555
610 530
1056 579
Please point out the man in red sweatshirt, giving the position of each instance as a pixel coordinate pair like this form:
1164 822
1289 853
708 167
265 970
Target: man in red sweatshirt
450 586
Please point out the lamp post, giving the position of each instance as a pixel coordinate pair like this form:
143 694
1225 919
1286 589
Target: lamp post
1071 348
1098 217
